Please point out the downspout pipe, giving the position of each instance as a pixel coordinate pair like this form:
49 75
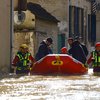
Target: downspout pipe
11 31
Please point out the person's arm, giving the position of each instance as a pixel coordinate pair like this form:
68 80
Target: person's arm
32 62
32 59
50 51
41 52
90 59
14 63
15 60
85 49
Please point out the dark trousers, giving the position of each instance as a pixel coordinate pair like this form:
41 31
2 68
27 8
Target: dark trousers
22 71
96 69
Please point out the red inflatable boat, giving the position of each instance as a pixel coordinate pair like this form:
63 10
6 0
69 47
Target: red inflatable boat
58 64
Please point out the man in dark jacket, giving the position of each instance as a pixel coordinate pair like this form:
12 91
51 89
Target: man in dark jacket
44 49
77 51
83 46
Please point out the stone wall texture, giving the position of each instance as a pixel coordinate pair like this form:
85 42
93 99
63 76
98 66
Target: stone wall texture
5 36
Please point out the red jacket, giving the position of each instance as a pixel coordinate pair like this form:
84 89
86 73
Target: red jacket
91 58
16 59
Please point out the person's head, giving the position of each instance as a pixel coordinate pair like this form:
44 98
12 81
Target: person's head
49 41
80 38
97 46
76 38
24 48
63 50
70 41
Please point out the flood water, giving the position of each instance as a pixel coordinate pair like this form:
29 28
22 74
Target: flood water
51 87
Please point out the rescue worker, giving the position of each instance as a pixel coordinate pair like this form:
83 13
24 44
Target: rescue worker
44 49
23 60
63 50
95 58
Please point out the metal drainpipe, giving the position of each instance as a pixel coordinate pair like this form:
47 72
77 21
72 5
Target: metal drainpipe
11 31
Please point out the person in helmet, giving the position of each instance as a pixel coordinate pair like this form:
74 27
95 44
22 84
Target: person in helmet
95 58
44 48
63 50
23 60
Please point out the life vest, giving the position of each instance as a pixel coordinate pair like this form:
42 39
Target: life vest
96 56
23 61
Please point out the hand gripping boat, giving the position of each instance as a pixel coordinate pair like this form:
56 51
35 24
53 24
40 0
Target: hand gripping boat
58 64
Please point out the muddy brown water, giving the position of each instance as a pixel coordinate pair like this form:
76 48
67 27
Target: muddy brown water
51 87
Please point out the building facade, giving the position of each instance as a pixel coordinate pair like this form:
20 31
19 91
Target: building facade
98 21
79 12
98 27
34 28
59 9
5 36
74 17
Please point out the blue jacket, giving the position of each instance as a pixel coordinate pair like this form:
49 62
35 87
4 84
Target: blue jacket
43 51
77 52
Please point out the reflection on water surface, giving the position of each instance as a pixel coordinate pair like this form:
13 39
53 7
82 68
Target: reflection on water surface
38 87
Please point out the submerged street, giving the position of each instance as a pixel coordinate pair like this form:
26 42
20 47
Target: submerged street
26 25
53 87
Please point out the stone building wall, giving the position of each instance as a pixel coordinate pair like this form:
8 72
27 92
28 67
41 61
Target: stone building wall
27 23
15 2
39 26
98 27
86 7
5 36
24 33
98 22
23 37
59 9
46 29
